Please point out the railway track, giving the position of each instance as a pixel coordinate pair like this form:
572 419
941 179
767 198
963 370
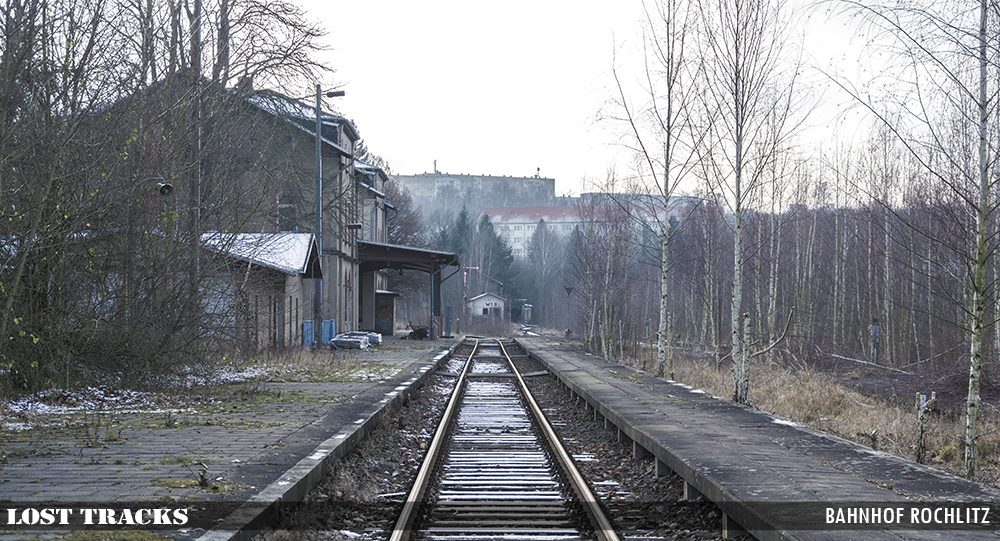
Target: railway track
495 468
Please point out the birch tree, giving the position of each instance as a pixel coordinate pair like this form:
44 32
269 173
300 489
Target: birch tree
660 129
748 103
949 60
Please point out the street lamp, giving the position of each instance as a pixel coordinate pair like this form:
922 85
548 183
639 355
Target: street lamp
318 290
569 306
164 189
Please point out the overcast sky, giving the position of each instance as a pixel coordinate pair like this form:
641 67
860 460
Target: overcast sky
501 88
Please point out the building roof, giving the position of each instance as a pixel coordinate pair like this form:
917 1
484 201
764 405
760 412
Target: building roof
288 253
375 256
303 116
487 294
369 170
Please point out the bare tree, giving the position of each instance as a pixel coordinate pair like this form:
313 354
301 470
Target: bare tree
663 123
545 253
50 55
948 63
599 254
750 103
99 102
405 225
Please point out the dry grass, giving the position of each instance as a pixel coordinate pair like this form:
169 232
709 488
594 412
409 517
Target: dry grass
316 364
820 401
324 365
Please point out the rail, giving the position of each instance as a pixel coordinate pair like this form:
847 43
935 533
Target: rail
525 489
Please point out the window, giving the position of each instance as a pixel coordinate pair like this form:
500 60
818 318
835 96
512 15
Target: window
517 240
517 228
288 217
486 311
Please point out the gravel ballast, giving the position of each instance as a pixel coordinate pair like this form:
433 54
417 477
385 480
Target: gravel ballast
362 495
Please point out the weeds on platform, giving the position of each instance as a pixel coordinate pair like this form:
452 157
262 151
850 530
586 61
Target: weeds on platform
818 400
100 428
305 365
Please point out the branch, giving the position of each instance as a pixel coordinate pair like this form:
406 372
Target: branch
788 323
872 364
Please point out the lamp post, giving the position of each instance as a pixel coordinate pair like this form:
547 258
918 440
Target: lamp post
318 234
164 189
569 305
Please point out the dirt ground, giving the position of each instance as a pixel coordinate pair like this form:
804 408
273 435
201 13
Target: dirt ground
949 382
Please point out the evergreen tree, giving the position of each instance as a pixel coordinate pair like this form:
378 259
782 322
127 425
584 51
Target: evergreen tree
545 252
460 236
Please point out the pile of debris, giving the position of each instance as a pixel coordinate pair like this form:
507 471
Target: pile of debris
356 340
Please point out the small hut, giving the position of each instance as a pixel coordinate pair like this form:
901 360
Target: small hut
487 306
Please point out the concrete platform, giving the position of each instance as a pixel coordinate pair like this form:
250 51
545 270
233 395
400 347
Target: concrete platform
261 453
771 478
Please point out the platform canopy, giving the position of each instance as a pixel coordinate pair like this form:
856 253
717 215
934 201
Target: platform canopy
375 256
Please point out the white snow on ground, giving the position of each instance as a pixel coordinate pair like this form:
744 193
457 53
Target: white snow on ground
372 373
60 402
223 375
25 413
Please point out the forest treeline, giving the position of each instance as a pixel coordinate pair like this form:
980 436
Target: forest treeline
833 270
890 234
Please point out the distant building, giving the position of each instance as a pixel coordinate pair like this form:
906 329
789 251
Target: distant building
487 305
517 224
437 185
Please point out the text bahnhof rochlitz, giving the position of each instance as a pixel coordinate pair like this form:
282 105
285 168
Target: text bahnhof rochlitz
908 515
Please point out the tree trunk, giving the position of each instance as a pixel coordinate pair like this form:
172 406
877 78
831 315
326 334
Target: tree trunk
772 293
220 70
979 271
662 338
838 273
889 335
739 391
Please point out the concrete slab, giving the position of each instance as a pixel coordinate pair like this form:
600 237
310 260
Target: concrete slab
763 472
260 454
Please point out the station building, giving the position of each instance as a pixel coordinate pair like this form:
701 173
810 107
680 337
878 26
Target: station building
349 257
